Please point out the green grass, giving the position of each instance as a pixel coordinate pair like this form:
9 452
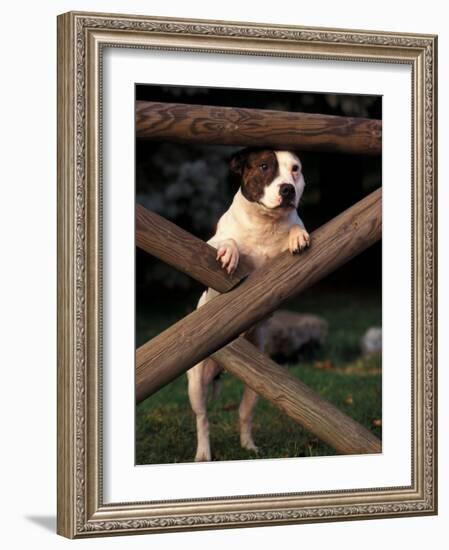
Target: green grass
165 425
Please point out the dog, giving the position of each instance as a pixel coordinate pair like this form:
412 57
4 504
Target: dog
261 222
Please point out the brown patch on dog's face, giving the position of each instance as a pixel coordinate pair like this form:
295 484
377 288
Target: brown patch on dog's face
257 169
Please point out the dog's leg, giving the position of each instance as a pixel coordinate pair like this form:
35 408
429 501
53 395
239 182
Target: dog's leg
246 410
199 378
249 399
198 401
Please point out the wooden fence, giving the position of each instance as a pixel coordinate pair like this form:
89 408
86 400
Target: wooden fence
247 297
234 126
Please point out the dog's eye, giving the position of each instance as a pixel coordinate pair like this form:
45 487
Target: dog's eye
264 166
295 168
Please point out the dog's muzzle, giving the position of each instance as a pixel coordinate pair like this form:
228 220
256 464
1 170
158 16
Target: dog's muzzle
287 193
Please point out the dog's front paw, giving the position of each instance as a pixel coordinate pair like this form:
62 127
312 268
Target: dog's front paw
228 255
298 239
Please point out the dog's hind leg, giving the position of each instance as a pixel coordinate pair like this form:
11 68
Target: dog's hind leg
256 336
198 401
199 377
246 410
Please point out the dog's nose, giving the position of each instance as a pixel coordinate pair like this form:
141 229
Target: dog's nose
286 190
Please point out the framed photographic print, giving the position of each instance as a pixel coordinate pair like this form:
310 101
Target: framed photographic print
246 274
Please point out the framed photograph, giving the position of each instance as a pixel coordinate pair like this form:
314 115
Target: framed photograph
246 274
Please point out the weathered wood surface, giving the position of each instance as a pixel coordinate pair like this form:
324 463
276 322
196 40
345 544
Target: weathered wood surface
180 249
294 398
224 318
185 123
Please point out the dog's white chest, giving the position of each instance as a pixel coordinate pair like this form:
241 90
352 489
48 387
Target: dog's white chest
257 242
258 246
259 236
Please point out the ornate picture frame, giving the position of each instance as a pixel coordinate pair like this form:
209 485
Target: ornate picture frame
82 38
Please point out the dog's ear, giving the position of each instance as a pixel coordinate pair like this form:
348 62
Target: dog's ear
237 162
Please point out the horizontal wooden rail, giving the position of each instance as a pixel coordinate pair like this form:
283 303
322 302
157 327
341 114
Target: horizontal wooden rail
221 320
254 127
180 249
294 398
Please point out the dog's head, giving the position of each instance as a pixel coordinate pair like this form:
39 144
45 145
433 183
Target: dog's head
272 179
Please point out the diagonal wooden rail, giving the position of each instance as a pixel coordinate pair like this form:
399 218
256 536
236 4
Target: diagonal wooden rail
223 319
206 124
169 243
295 399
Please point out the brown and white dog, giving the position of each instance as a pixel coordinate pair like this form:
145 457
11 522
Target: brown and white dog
261 222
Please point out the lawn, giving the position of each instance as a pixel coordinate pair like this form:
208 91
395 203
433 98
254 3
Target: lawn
165 425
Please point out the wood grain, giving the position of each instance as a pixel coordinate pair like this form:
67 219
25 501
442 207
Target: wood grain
293 397
178 248
254 127
224 318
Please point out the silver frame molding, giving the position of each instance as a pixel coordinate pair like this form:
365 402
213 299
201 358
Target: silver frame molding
81 39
